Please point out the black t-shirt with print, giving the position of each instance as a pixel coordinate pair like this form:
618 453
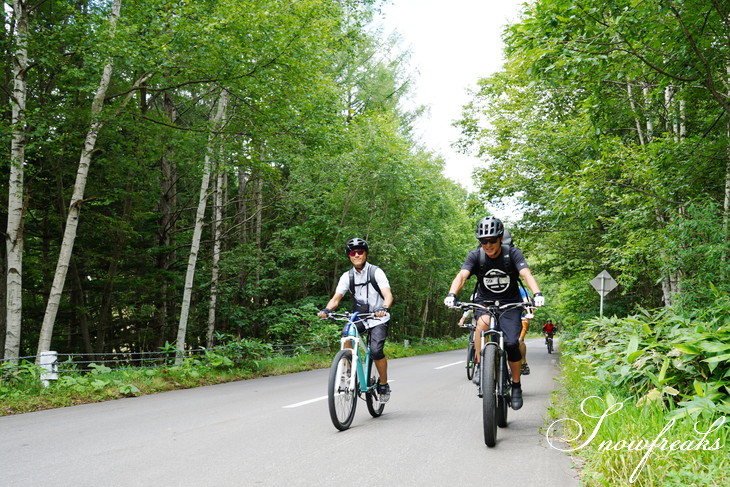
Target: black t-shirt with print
498 282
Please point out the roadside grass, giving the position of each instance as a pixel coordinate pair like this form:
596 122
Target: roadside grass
22 391
618 442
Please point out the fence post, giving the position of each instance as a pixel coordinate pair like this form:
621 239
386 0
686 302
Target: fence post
49 364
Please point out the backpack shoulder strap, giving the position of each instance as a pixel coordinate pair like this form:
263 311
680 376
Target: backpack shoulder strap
507 258
373 281
352 282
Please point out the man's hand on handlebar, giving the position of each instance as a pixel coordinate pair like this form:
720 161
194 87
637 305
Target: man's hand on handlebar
324 313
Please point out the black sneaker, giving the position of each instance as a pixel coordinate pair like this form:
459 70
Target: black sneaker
383 392
516 397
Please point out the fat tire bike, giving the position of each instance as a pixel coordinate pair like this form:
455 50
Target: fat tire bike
352 374
495 381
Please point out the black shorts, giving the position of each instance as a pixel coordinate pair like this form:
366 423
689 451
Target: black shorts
510 323
376 339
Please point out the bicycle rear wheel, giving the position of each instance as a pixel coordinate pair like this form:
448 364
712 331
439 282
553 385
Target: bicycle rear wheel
489 394
341 398
375 406
470 361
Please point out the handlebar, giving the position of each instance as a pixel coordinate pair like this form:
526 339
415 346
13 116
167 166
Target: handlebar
492 306
347 316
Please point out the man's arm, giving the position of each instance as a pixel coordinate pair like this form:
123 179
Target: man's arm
459 281
333 303
526 274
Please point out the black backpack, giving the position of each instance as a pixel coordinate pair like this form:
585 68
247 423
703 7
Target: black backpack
370 280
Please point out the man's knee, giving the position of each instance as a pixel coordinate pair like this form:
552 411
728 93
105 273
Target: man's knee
377 352
513 351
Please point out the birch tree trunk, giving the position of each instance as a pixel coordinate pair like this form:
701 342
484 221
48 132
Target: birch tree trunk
639 130
72 219
198 230
14 236
217 220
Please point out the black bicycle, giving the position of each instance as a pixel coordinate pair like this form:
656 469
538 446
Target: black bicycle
495 382
470 354
549 342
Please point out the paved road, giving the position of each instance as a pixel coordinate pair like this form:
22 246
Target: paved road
277 431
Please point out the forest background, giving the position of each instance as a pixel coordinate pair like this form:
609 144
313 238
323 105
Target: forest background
184 171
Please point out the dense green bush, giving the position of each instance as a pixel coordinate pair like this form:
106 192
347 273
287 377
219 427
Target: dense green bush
680 359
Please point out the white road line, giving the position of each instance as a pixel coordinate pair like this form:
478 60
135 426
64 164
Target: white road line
310 401
449 365
304 403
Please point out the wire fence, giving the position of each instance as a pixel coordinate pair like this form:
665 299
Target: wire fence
82 362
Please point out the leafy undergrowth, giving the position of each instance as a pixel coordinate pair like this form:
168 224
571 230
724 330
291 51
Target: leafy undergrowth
644 400
22 392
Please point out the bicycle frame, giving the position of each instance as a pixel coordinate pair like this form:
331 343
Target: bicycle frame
357 346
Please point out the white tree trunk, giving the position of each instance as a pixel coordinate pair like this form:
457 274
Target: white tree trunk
649 123
198 230
72 219
14 236
639 130
218 219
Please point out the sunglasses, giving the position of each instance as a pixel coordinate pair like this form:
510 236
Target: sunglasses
488 240
353 253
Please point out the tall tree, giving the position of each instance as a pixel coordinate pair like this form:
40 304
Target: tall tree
16 189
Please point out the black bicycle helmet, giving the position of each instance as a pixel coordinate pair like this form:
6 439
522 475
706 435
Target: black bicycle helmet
356 243
489 227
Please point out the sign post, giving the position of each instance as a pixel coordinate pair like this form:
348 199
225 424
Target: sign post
604 284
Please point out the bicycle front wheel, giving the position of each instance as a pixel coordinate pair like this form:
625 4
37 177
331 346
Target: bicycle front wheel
489 394
341 397
550 345
375 406
503 399
470 361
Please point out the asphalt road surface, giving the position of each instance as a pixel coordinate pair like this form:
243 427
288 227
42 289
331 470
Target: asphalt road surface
277 431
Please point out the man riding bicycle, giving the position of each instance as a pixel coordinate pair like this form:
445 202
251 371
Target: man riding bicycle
370 292
498 269
549 329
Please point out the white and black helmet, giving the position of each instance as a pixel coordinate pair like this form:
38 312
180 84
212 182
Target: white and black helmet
489 227
356 243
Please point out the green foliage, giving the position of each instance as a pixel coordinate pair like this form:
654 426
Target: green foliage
609 432
235 360
679 360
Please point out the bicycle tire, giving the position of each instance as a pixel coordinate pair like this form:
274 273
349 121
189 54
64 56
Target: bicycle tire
489 394
342 401
550 345
375 406
503 400
470 361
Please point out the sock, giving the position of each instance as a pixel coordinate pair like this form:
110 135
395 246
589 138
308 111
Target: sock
517 385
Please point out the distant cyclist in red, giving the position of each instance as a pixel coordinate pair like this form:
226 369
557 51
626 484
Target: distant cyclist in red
549 329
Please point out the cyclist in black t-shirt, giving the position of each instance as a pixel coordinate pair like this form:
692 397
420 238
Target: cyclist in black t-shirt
498 276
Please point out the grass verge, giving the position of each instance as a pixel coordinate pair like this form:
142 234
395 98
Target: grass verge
621 443
22 392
